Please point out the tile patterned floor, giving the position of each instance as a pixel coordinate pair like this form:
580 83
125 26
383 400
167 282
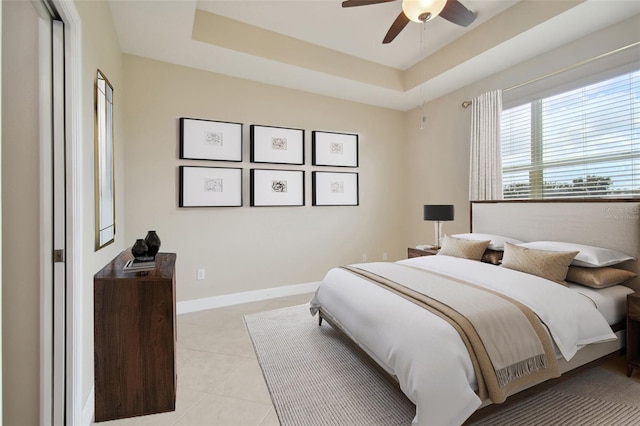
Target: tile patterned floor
219 379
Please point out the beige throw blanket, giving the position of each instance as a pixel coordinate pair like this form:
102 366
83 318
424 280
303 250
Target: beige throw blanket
508 345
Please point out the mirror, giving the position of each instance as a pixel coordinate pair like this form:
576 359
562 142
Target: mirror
104 179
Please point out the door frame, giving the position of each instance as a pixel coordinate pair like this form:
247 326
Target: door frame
75 406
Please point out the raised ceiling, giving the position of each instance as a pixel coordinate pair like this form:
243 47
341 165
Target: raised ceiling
317 46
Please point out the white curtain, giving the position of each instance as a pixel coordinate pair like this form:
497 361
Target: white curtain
485 178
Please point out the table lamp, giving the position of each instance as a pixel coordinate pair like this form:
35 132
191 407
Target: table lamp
438 213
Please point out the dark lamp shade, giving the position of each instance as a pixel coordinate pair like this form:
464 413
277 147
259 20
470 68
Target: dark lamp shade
440 212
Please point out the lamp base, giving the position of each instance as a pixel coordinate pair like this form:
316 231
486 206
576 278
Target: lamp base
437 228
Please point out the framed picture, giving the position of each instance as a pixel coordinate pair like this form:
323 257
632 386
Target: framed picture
277 187
335 189
210 186
277 145
210 140
334 149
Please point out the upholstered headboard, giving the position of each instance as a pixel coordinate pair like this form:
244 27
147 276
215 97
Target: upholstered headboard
611 224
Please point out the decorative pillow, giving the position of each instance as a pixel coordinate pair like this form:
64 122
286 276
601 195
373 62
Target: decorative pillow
492 256
552 265
599 277
463 248
496 241
588 256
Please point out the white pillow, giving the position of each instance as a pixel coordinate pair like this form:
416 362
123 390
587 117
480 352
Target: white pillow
588 256
496 243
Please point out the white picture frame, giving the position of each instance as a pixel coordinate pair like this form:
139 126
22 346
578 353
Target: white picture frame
334 149
271 188
210 186
210 140
335 188
276 145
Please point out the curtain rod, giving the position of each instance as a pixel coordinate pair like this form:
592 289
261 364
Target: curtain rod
466 104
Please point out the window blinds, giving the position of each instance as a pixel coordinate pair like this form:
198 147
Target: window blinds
582 143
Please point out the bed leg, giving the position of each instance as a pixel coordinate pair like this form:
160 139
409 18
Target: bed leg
319 320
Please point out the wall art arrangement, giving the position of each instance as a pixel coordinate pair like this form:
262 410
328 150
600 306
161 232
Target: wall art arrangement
211 140
335 189
334 149
277 187
210 186
277 145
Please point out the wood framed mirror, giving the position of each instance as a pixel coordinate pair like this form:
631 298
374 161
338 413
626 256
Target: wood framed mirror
104 164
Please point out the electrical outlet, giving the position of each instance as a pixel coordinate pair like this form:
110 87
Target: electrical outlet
364 257
200 274
384 256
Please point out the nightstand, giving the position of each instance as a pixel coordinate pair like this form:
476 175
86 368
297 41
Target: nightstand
414 252
633 332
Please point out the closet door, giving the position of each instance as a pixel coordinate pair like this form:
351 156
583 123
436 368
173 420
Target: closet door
59 278
53 359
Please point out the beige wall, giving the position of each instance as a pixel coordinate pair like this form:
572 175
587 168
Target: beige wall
438 156
100 50
20 214
251 248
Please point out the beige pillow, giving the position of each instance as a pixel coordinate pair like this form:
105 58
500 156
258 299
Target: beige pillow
552 265
492 256
599 277
466 249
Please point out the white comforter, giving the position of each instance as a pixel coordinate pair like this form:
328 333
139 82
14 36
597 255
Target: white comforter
425 353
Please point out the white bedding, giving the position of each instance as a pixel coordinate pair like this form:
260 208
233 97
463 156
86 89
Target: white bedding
425 353
610 301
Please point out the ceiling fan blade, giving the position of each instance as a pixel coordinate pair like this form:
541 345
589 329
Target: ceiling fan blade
397 26
456 12
352 3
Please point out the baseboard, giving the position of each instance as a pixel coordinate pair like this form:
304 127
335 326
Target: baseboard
88 409
205 303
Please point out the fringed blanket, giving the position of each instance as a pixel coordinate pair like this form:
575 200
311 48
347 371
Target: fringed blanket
508 345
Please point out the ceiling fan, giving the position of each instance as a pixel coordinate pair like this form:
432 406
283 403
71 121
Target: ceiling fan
421 11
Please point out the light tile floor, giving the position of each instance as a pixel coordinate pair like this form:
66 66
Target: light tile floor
219 379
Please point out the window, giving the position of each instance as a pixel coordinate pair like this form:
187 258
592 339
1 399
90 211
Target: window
582 143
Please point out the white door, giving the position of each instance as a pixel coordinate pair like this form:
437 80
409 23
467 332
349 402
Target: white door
59 229
53 195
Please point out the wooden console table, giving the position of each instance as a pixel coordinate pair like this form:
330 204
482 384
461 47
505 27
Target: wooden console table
135 339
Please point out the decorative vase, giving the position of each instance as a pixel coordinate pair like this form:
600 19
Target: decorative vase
153 243
139 249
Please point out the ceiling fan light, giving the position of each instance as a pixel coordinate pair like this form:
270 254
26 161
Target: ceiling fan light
422 10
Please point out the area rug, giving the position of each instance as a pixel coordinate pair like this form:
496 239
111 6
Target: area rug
317 377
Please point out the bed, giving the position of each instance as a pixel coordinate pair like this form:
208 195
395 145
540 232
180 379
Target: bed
426 354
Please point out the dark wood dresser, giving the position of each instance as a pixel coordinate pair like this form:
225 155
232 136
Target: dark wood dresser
135 339
633 332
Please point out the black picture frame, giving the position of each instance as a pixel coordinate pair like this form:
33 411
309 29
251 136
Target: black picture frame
335 188
334 149
277 188
210 186
276 145
212 140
